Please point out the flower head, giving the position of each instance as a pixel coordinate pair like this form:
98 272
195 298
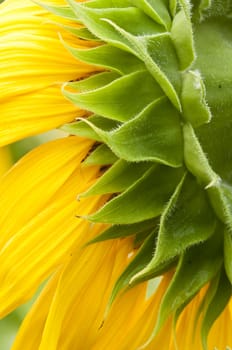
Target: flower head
130 217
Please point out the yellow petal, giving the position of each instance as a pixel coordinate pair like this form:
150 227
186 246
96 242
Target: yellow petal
84 289
80 299
38 221
33 66
131 321
27 339
188 335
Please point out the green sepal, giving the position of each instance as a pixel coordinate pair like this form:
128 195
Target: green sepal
182 36
162 52
228 253
93 82
121 231
144 200
221 200
140 260
154 135
82 33
173 7
204 6
109 57
140 237
195 109
118 178
150 51
187 220
131 19
128 29
219 298
81 128
102 155
197 266
156 9
62 11
102 4
220 192
196 160
116 97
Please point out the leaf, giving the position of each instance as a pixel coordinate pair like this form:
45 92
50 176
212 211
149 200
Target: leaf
144 200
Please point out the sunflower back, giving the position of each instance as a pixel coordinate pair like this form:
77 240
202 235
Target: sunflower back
161 119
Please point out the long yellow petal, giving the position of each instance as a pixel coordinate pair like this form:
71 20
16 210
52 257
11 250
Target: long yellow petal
77 309
27 339
40 234
188 335
84 289
33 66
132 319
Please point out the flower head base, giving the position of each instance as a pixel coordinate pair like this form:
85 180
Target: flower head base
172 182
161 125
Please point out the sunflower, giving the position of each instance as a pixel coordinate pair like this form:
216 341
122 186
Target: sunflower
128 219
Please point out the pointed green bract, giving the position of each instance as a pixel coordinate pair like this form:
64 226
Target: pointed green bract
141 259
183 39
228 253
196 267
156 9
195 109
114 99
154 189
154 135
84 129
109 57
102 155
118 178
216 305
119 231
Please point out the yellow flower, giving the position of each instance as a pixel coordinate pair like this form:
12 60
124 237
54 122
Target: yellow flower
33 66
132 180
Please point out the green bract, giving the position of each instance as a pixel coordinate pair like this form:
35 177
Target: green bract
161 119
